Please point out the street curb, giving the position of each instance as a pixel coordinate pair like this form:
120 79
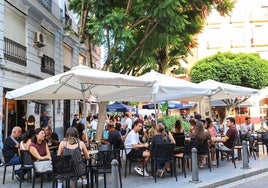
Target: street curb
236 178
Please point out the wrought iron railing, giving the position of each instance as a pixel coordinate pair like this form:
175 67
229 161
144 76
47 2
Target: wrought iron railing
15 52
48 65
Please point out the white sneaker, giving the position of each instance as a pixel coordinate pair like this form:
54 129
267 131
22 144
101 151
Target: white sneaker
79 180
213 163
140 171
145 173
84 181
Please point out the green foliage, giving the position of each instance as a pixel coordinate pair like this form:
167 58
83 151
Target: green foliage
244 69
142 34
170 122
164 107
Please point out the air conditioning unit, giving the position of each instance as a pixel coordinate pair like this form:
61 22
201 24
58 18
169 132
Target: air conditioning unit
39 39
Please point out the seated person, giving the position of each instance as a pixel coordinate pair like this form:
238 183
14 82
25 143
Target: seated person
39 147
135 149
11 150
26 139
51 137
226 142
203 137
80 128
246 129
114 137
72 145
178 127
161 137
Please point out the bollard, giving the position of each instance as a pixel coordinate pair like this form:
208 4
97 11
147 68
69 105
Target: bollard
115 175
195 178
245 155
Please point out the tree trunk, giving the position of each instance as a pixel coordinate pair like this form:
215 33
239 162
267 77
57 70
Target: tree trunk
101 119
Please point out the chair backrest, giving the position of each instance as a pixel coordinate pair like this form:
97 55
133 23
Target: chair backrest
117 145
189 145
26 158
264 138
235 142
164 152
62 164
179 139
202 147
104 158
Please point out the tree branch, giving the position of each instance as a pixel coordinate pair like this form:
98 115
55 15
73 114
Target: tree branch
141 42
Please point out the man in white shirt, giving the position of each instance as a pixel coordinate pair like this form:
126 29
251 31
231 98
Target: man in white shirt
246 129
135 149
94 122
128 122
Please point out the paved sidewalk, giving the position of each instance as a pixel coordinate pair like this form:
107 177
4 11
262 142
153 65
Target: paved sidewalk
226 173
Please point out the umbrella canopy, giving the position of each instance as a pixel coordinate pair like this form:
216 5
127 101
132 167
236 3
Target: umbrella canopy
171 105
79 83
165 88
227 91
119 107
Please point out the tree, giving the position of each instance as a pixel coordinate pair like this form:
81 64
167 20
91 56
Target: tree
139 35
243 69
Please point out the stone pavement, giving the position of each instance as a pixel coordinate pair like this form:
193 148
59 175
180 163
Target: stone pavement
226 173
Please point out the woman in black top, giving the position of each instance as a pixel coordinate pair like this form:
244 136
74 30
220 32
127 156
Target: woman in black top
161 137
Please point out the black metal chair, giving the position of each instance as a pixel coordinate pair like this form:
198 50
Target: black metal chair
130 160
6 165
26 164
41 175
62 169
103 165
204 151
187 154
228 151
179 139
164 153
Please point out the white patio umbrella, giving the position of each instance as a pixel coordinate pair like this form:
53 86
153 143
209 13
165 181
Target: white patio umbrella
165 88
227 91
79 83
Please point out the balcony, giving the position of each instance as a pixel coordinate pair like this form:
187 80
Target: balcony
53 8
14 52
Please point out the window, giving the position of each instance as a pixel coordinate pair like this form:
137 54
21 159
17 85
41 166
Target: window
14 52
48 65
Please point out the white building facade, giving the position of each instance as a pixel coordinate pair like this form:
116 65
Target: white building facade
34 46
244 30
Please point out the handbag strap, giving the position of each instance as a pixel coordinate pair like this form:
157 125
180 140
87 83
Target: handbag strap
16 142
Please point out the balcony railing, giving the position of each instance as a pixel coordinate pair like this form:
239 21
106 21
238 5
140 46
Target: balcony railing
53 8
48 65
15 52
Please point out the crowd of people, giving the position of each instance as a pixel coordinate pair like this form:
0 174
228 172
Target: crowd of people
137 134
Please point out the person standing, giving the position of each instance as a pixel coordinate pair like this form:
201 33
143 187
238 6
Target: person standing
22 122
30 124
135 149
76 120
44 120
